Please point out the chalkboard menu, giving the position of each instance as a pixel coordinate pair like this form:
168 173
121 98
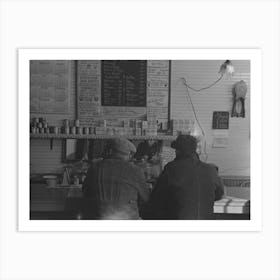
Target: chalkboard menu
220 120
124 83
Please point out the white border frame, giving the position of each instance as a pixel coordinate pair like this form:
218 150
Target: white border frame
254 55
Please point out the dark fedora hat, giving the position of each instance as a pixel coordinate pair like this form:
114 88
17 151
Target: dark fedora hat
186 144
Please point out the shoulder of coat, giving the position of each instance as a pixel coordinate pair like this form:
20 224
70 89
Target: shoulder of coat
209 166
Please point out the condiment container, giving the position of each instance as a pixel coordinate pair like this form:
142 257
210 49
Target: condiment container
73 130
50 180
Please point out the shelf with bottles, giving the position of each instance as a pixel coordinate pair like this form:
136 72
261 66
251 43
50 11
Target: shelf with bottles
131 129
94 136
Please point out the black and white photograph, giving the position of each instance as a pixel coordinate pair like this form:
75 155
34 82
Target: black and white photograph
143 140
140 139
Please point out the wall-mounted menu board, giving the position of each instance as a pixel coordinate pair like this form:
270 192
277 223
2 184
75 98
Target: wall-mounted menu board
88 90
49 86
124 83
114 90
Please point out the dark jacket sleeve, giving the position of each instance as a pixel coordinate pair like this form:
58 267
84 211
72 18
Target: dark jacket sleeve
219 188
142 186
88 182
218 183
156 208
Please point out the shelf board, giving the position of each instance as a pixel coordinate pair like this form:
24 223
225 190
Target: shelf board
94 136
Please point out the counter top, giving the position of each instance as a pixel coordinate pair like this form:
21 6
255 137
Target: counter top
45 198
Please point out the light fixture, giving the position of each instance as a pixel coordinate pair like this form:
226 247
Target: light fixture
226 68
198 133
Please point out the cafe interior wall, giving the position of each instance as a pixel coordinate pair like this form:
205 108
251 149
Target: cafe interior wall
233 160
42 158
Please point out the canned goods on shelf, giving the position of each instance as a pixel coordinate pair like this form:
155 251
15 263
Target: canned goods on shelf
73 130
76 180
78 130
35 120
86 130
54 129
66 130
66 123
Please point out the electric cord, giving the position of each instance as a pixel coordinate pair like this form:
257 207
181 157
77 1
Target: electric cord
204 88
196 118
193 108
194 112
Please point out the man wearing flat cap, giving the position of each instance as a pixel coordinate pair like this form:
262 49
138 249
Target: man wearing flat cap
114 188
187 187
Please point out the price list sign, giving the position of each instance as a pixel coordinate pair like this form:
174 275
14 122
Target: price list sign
124 83
220 120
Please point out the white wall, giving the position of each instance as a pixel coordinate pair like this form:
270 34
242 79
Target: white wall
234 159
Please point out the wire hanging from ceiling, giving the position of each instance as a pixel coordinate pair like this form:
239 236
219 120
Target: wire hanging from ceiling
193 108
227 68
196 118
204 88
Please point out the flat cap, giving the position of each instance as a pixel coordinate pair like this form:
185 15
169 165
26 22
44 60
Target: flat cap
121 145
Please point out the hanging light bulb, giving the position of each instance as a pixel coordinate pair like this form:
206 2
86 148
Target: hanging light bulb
198 134
226 68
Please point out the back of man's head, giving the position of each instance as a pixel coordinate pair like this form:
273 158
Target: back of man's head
185 144
121 147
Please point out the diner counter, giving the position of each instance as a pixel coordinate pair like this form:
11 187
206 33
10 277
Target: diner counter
55 202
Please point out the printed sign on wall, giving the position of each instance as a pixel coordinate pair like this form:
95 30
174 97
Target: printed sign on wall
89 94
220 120
136 89
49 86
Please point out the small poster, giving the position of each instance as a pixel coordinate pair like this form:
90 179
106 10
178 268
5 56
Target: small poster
49 86
220 120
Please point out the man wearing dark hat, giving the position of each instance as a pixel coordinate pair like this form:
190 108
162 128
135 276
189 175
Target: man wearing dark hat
187 187
114 188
